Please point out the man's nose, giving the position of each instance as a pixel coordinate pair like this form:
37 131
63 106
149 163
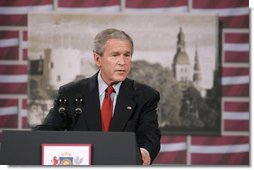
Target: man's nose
121 60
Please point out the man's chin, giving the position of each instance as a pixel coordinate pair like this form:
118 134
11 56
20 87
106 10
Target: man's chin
120 78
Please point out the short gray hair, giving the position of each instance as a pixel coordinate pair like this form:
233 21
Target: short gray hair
102 37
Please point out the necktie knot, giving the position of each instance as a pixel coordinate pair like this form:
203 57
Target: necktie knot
109 90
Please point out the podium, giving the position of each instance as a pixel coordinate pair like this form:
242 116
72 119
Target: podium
108 148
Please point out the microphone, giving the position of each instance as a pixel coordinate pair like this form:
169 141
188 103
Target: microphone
61 103
78 105
78 102
68 116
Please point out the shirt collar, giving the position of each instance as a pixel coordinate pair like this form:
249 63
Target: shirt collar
103 86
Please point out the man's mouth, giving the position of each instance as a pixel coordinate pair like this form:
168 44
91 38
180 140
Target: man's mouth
120 71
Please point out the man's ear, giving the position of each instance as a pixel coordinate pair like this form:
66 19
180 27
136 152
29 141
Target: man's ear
97 59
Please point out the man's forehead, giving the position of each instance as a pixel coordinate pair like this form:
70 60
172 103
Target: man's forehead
111 40
117 43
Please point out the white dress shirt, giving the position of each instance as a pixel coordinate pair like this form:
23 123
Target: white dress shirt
103 86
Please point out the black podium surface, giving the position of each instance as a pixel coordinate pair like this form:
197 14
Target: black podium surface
110 148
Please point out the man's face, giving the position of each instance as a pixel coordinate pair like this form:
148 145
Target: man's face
115 62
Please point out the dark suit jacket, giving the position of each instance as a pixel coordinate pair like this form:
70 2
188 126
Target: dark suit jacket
141 118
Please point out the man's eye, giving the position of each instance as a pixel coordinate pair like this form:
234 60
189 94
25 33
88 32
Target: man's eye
127 55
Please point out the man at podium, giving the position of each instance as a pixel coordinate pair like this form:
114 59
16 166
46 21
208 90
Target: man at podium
109 101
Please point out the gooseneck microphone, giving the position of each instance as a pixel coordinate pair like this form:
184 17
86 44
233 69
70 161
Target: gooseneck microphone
78 103
70 114
61 103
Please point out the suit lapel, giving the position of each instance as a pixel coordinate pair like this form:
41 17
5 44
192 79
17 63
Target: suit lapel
92 105
124 108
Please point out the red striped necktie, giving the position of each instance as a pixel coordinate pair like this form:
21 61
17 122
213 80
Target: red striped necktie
107 108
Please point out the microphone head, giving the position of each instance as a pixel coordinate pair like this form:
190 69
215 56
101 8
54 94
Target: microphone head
61 99
78 101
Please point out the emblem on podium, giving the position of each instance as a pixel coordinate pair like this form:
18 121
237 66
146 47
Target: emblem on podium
66 154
